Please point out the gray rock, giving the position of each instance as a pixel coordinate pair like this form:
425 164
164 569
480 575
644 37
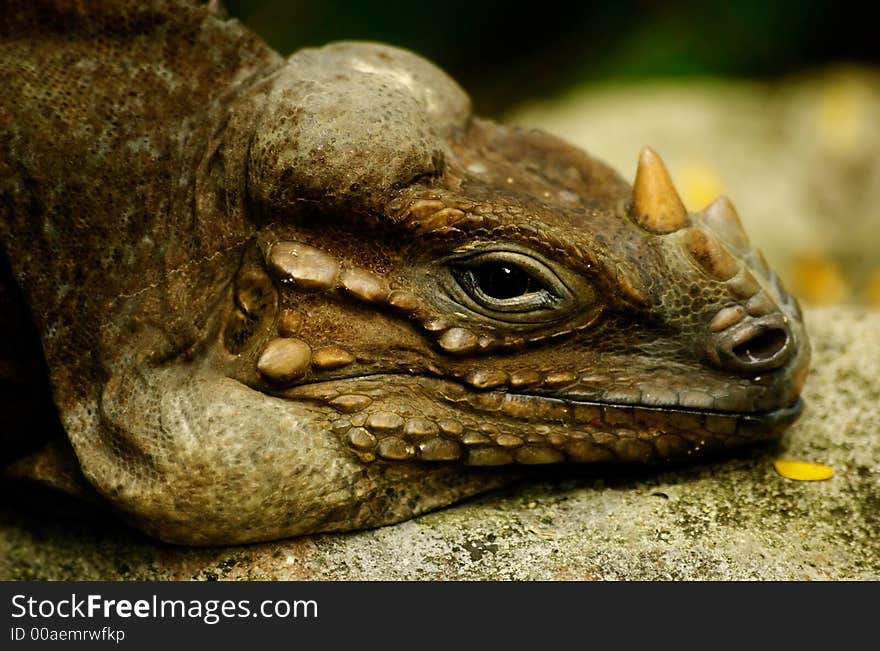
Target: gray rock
728 519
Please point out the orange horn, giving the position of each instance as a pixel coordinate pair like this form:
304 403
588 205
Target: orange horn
656 204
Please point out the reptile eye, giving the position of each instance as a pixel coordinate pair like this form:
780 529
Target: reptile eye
501 280
504 281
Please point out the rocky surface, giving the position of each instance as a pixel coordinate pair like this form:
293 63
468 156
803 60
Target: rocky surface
732 518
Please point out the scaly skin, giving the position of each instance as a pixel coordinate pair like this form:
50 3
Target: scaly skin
278 297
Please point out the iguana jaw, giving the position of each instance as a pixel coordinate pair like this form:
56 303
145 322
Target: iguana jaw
400 417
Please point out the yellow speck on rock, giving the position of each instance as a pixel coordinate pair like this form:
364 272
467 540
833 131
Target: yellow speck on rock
803 470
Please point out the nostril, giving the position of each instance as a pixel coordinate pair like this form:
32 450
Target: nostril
761 347
753 345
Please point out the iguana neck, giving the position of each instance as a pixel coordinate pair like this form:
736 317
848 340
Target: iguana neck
119 104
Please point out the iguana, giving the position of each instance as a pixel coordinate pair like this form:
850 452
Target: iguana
280 296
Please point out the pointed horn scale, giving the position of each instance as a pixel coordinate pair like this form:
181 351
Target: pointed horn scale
721 217
656 205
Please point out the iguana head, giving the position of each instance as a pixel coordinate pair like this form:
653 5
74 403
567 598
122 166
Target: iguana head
450 289
362 296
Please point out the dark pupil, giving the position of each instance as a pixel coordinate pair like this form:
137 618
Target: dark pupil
502 281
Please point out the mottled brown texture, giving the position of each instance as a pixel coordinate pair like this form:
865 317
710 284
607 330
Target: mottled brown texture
259 284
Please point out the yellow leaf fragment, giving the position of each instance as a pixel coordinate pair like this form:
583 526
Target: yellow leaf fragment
803 470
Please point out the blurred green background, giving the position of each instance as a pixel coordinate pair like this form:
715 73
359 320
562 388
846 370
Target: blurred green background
505 52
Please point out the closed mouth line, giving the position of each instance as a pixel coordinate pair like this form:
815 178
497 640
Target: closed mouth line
788 413
773 415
